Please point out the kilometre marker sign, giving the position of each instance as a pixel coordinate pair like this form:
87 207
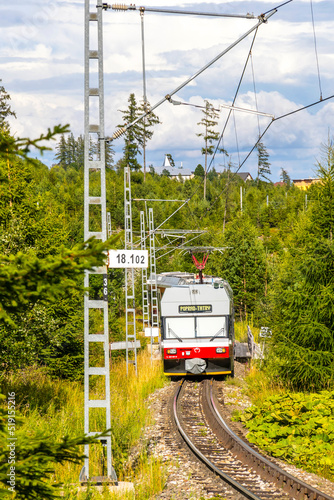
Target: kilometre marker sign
128 258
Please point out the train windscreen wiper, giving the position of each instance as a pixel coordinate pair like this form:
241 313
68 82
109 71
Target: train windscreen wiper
216 335
174 334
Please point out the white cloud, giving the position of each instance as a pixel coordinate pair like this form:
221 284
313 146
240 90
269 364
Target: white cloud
42 68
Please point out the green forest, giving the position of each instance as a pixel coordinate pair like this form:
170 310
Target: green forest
276 251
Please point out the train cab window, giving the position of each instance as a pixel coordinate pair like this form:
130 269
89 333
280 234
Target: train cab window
180 327
214 326
195 327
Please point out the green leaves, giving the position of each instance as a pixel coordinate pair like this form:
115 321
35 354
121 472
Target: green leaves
303 295
11 147
295 427
35 458
242 264
26 279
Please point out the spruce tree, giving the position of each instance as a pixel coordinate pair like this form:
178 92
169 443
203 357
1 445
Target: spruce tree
5 109
133 135
61 152
263 165
285 177
210 135
302 297
242 265
145 129
199 171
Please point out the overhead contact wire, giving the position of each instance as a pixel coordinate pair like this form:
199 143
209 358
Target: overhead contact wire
255 94
315 49
259 139
235 98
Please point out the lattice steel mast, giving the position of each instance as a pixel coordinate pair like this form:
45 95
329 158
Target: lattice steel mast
94 131
145 296
153 278
130 307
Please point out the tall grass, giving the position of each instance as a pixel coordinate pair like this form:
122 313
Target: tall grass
55 408
260 385
240 329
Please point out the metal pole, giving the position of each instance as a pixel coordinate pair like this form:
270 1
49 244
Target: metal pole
95 132
143 55
130 308
145 299
262 20
153 279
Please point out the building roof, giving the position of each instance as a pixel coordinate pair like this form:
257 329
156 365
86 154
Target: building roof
304 183
245 176
308 180
166 162
279 183
173 171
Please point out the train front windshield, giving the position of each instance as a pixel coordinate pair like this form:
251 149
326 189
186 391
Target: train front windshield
196 327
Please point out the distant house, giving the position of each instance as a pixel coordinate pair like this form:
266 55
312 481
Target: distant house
245 176
279 183
173 172
304 183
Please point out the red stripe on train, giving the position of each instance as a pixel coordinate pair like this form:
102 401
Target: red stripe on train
196 352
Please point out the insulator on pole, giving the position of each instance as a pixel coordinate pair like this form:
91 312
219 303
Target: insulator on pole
119 6
119 132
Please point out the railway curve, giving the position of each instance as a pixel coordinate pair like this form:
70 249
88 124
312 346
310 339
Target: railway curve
210 439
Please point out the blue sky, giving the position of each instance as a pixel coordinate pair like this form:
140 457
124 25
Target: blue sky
41 66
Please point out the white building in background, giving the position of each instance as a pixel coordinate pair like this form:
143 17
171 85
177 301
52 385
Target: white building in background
174 172
245 176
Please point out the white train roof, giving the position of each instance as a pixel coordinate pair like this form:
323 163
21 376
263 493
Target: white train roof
184 279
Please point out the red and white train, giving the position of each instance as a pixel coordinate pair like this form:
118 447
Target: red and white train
197 325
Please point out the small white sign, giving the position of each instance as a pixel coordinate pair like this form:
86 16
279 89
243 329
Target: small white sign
128 258
154 331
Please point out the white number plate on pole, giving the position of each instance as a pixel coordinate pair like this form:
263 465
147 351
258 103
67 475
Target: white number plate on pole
128 258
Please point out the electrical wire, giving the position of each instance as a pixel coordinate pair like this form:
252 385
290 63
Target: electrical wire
315 49
234 99
261 19
257 142
236 137
271 11
222 134
255 94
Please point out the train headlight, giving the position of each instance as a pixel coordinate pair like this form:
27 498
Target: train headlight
171 351
220 350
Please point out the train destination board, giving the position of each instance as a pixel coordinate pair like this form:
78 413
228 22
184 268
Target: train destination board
195 309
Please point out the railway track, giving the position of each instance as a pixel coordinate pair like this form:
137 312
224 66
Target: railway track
199 422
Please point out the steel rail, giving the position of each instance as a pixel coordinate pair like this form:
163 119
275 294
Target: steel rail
289 483
237 486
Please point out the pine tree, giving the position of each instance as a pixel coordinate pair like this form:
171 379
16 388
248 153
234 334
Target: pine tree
285 177
242 265
61 154
199 171
145 128
70 152
133 135
263 165
5 109
302 297
210 135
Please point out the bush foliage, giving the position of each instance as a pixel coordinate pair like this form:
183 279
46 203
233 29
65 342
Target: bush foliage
297 428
